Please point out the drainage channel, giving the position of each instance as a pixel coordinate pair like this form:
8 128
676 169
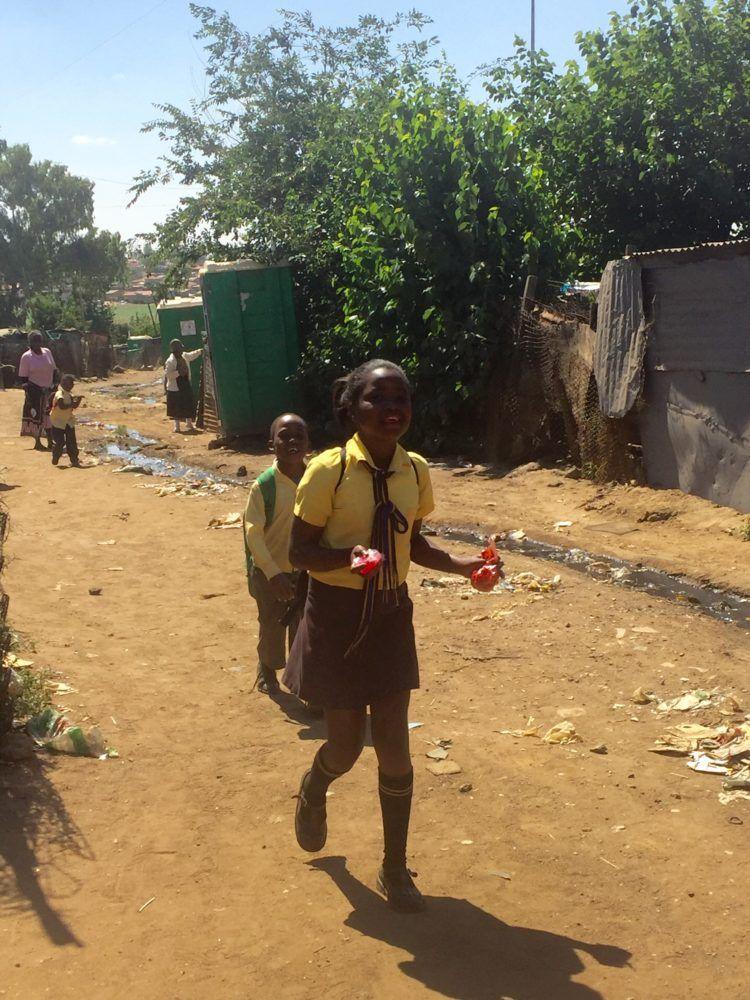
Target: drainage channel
718 604
721 605
128 450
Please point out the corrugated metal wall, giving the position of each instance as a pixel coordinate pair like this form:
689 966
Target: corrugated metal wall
695 424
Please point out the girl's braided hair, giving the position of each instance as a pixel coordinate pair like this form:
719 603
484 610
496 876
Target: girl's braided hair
348 389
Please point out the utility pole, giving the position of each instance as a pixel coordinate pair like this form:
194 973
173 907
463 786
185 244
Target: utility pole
533 27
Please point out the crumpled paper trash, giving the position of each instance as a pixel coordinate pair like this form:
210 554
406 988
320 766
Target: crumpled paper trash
562 733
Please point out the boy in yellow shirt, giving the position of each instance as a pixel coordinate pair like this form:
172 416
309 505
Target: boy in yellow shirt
272 580
63 420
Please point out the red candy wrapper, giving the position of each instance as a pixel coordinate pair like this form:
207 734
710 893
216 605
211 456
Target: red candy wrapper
484 579
366 563
489 575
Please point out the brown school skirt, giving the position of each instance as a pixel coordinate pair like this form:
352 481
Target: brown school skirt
383 664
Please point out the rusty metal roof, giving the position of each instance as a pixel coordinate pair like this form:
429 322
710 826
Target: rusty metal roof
723 248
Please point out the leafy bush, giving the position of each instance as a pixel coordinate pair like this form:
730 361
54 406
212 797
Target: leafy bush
431 258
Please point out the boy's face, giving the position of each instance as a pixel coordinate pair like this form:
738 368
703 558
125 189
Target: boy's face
67 383
290 441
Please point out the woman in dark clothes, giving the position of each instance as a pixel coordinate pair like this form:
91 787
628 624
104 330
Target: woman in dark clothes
355 646
180 401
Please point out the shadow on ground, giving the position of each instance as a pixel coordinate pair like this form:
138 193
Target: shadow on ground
465 953
36 835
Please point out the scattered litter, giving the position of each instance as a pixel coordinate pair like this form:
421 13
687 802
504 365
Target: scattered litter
442 767
642 697
517 536
532 583
737 795
193 489
147 903
735 820
210 597
466 788
142 469
233 520
506 875
16 661
54 731
432 583
115 569
95 591
466 843
562 733
416 725
610 863
723 749
705 764
686 738
110 541
619 828
644 630
530 730
687 702
61 688
438 753
600 748
559 525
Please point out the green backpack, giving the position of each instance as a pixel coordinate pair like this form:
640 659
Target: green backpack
267 482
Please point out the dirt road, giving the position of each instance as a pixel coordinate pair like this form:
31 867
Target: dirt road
561 874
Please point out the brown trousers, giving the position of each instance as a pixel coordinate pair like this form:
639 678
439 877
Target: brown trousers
273 632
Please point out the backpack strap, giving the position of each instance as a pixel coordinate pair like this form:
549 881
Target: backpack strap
267 483
342 455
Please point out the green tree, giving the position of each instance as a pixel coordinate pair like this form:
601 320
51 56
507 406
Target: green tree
269 149
647 141
448 216
48 242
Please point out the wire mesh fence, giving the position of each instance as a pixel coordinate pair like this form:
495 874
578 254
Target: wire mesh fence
550 404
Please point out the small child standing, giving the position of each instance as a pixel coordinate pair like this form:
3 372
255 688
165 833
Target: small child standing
272 581
62 417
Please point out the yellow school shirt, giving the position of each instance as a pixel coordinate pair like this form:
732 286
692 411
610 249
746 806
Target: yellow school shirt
60 418
347 513
270 545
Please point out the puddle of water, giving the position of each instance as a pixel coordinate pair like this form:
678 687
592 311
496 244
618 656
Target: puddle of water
158 466
719 604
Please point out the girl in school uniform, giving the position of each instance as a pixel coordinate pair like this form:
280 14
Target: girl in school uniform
355 647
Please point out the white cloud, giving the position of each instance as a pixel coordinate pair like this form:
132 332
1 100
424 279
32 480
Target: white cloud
92 140
119 77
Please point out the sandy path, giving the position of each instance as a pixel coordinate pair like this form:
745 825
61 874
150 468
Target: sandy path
197 810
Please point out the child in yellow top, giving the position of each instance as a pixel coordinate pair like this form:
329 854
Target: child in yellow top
63 420
272 580
355 646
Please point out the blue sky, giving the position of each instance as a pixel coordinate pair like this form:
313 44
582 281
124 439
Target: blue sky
80 78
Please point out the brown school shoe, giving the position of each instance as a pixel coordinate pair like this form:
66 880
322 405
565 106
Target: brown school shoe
310 825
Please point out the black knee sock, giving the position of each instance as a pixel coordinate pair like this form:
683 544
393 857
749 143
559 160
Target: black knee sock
395 803
319 778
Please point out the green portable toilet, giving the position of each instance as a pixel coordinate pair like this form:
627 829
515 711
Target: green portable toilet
182 319
253 346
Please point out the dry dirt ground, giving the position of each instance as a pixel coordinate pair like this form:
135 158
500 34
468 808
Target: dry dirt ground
561 874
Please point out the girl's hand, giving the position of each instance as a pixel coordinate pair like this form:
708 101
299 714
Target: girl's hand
466 565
